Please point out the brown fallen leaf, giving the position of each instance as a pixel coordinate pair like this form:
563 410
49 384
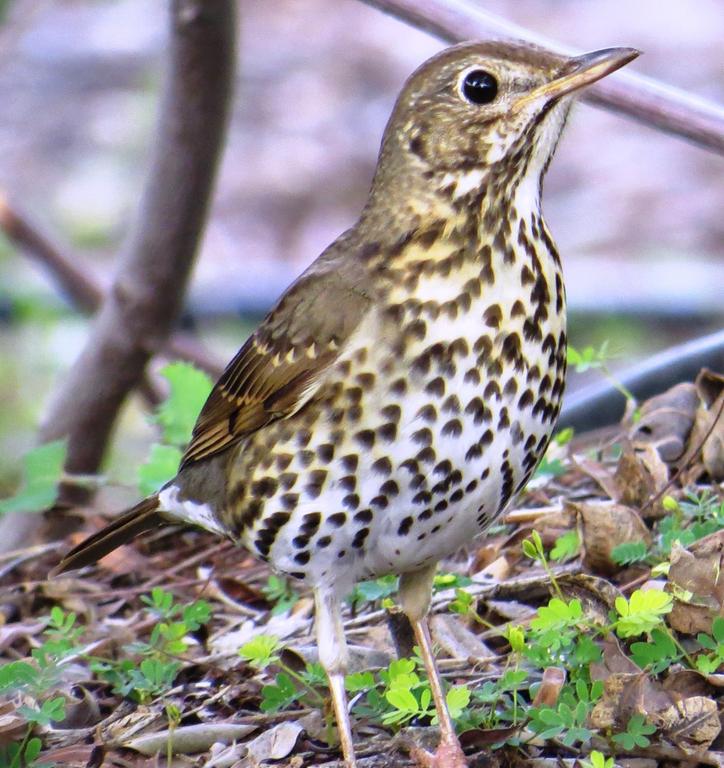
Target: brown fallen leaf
274 743
697 570
634 483
709 425
695 723
666 420
457 640
554 678
12 725
626 694
605 525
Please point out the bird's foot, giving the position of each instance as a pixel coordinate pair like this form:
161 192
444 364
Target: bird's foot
448 754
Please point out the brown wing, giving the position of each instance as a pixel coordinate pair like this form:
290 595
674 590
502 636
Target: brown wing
278 369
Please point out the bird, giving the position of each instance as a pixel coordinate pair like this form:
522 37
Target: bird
404 388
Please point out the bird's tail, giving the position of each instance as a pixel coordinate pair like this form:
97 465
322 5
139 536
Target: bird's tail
143 517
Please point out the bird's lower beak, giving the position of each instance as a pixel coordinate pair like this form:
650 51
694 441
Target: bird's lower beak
581 71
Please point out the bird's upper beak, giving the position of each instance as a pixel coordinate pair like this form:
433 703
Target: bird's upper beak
581 71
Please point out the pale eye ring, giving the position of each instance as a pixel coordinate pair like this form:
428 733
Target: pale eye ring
479 87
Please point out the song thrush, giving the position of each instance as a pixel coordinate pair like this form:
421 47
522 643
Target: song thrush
405 387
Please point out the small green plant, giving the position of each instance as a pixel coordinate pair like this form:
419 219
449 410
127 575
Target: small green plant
34 681
533 548
280 593
188 389
289 685
642 612
636 733
370 591
42 472
598 760
658 653
588 358
630 552
710 663
160 662
23 754
567 546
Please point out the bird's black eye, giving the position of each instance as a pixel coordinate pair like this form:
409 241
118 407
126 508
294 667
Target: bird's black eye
479 87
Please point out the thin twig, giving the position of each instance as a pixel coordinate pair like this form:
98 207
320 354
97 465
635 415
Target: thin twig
646 100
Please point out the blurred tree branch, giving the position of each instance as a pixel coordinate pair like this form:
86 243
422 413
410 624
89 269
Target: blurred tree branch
648 101
144 300
84 289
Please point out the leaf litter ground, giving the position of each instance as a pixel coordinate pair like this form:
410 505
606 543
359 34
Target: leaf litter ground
588 627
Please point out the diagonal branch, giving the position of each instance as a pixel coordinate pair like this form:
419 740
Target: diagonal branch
648 101
145 298
83 289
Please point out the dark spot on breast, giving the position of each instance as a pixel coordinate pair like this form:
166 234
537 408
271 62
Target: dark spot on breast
350 462
359 538
316 482
503 419
526 276
474 452
436 387
310 523
351 501
354 394
422 436
426 455
399 387
492 390
337 519
493 316
427 413
305 458
390 488
452 428
348 482
451 404
526 399
382 466
391 413
366 438
518 309
417 481
363 516
289 500
405 526
265 488
511 387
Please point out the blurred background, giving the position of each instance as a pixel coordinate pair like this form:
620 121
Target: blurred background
637 214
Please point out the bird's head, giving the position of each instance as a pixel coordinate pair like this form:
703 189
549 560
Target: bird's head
478 107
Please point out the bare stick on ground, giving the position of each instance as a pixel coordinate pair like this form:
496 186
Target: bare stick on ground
145 297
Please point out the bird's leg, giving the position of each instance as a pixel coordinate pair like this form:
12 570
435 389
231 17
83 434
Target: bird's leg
415 594
333 656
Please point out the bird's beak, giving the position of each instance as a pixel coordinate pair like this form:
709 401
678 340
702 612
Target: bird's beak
581 71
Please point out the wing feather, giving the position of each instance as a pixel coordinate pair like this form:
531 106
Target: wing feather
281 365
